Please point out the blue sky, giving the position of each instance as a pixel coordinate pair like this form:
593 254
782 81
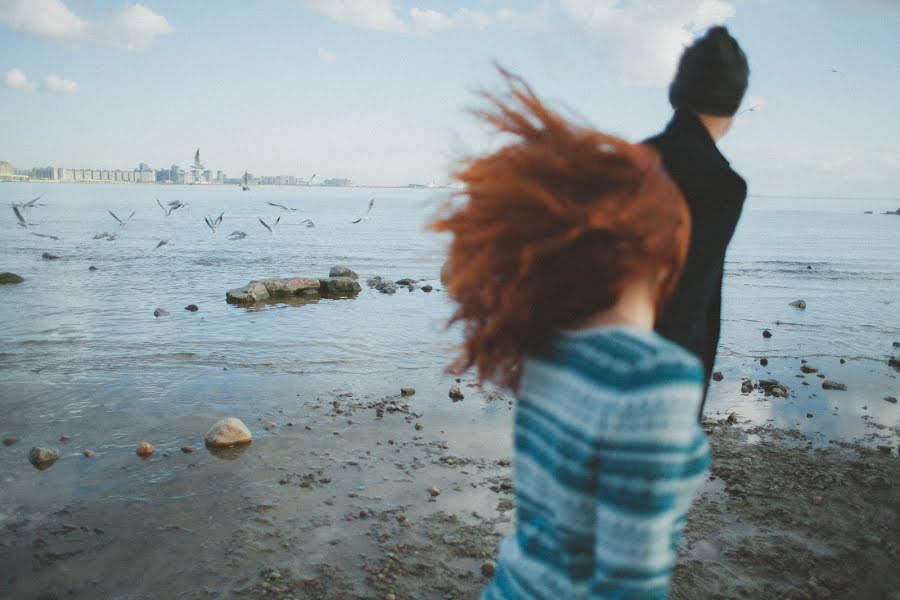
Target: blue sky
376 90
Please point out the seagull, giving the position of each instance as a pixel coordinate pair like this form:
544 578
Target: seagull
173 206
214 224
308 183
749 109
31 203
281 206
121 222
308 223
367 215
44 235
266 225
19 216
110 237
237 235
161 244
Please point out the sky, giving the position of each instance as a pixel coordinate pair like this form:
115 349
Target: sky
378 90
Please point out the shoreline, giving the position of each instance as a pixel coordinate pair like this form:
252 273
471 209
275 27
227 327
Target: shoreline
333 500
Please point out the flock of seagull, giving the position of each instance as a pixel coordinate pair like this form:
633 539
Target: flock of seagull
20 209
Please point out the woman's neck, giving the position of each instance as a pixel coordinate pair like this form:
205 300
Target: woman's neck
635 308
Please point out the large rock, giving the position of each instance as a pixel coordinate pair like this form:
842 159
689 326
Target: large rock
833 385
228 432
250 293
7 278
42 458
339 286
279 287
342 271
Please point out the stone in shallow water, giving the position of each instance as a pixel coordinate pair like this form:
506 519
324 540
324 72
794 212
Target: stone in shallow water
192 308
42 458
342 271
339 286
160 312
144 449
833 385
228 432
290 286
7 278
250 293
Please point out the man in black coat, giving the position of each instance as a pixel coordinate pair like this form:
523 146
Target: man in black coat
706 93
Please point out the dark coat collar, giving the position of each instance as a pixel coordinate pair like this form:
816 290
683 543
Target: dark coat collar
686 123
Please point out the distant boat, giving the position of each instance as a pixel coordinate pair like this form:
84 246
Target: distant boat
245 184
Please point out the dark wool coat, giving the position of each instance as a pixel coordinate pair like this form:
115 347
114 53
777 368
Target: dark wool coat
715 195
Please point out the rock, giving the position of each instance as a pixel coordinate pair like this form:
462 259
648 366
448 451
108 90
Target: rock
228 432
407 391
894 362
896 344
339 286
387 287
144 449
766 333
488 568
88 453
809 415
843 361
884 449
48 256
7 278
808 369
188 449
717 376
342 271
64 438
9 441
772 387
455 393
279 287
374 281
192 308
427 287
731 419
160 312
833 385
42 458
250 293
406 281
92 268
746 386
435 491
890 399
801 304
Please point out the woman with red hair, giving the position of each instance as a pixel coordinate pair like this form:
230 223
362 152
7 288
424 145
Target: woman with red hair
566 246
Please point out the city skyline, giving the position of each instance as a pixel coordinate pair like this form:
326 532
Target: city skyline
377 91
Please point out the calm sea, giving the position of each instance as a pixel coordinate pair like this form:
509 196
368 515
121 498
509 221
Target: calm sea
81 349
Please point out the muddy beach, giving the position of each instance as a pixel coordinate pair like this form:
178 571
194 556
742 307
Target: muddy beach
353 495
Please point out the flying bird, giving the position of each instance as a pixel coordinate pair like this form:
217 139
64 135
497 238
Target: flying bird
308 183
281 206
172 206
237 235
30 204
266 225
44 235
121 222
19 216
368 212
308 223
214 224
749 109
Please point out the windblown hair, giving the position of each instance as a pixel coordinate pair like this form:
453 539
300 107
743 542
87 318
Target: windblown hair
551 227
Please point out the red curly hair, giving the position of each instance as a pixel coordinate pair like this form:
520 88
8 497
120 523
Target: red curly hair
553 224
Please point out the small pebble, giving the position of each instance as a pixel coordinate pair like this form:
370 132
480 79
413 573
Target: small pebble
434 491
488 568
764 362
407 391
192 308
717 376
64 438
188 449
88 453
766 333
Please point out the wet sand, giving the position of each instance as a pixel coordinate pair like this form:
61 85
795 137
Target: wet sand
333 499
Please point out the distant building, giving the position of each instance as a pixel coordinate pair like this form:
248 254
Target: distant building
337 182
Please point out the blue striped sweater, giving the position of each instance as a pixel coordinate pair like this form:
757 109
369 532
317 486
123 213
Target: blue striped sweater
608 457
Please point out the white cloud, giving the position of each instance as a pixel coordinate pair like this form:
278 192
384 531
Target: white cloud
134 27
58 85
365 14
17 80
326 57
644 40
428 21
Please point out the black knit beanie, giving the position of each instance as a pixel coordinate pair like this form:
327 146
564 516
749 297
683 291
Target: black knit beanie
712 75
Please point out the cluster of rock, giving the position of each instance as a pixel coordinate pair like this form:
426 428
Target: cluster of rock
225 433
386 286
340 283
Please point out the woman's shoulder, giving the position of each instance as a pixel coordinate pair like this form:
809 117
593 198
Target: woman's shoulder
625 357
